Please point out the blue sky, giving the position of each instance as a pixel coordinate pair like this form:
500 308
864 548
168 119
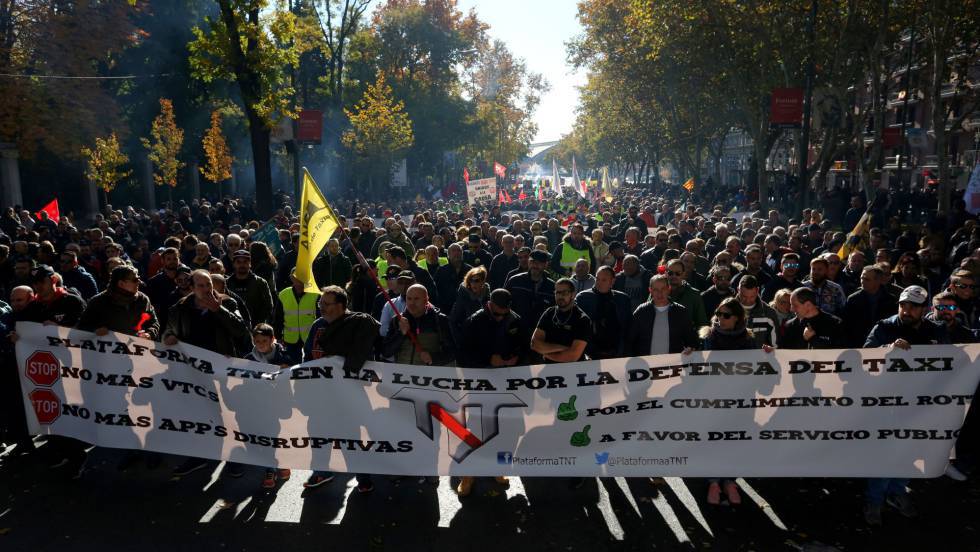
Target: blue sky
537 31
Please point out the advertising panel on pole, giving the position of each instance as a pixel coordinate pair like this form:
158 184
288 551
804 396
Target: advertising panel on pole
483 190
309 128
786 108
399 174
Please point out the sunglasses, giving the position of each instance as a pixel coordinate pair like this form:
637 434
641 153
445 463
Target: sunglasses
724 314
675 273
950 308
791 265
959 285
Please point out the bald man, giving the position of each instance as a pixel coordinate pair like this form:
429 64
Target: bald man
433 344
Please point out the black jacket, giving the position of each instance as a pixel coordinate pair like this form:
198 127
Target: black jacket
447 280
331 270
829 333
257 295
230 330
484 336
119 313
499 268
861 317
527 302
65 309
888 330
352 337
681 329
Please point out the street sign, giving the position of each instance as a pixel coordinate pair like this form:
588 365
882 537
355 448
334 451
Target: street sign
309 128
786 108
42 368
46 405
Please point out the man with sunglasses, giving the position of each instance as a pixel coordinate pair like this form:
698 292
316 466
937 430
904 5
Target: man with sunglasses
811 328
684 294
788 277
121 308
494 336
963 285
908 327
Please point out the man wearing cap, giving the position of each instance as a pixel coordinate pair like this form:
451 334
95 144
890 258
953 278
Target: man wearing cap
52 304
908 327
532 292
253 289
398 257
475 255
296 311
121 308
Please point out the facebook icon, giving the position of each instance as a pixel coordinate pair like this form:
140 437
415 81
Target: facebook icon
505 457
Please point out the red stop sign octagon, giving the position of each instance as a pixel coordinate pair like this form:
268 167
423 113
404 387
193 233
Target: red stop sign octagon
42 368
47 405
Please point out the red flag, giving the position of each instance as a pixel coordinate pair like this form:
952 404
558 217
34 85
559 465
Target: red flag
540 192
522 196
52 210
466 175
507 195
499 170
500 197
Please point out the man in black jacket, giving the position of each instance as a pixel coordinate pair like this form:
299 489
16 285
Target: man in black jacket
494 336
811 328
253 289
659 325
503 263
74 276
532 291
397 257
866 306
121 308
331 267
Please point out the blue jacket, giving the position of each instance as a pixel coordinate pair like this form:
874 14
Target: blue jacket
888 330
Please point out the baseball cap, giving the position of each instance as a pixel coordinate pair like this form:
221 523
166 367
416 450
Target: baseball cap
241 253
915 295
41 272
474 238
814 227
406 274
540 256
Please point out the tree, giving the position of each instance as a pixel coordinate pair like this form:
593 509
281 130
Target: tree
42 39
217 155
104 163
257 47
168 138
380 129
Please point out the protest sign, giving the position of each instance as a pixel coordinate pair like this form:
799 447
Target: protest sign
483 190
827 413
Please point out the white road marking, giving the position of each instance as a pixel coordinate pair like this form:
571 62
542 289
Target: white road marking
448 501
684 494
763 503
605 507
288 505
351 485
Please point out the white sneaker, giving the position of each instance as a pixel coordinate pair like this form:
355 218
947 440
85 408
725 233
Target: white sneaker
954 474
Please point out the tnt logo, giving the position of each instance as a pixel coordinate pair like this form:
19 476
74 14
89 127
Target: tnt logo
505 458
472 420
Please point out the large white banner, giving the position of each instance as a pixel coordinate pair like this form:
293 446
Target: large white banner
835 413
483 190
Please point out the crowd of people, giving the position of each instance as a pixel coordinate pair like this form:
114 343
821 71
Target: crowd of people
643 275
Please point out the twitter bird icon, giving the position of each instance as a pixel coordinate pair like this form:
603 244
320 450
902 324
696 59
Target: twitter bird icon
601 458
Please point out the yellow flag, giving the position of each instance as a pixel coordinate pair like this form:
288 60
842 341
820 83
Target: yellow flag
317 223
689 185
856 237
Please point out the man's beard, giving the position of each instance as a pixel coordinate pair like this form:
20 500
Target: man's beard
908 320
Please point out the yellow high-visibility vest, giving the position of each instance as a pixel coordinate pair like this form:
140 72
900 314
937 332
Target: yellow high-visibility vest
297 317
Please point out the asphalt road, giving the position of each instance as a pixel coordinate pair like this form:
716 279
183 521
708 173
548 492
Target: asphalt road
141 509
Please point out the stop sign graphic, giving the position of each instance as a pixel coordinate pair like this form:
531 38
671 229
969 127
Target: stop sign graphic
47 405
43 368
